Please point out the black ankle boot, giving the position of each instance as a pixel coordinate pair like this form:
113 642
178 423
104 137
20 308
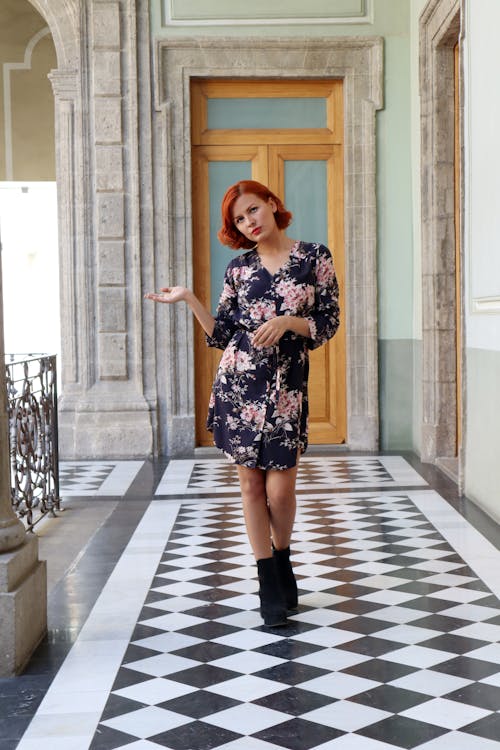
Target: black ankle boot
272 603
286 579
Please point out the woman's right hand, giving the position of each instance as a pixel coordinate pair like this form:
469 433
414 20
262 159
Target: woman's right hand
168 294
171 294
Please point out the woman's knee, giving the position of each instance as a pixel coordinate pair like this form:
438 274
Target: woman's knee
281 500
252 484
280 486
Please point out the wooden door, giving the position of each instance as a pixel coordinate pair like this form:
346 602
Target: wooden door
285 159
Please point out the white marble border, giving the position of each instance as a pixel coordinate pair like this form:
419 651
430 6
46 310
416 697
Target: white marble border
480 554
69 714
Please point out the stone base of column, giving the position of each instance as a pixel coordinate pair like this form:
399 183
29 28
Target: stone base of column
181 437
105 434
23 605
363 433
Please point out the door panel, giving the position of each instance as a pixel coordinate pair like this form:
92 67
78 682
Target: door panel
310 179
217 117
308 175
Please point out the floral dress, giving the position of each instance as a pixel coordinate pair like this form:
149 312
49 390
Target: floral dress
258 410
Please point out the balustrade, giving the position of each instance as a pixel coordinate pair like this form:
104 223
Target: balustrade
33 435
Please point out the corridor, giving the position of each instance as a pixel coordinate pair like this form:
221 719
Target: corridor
155 640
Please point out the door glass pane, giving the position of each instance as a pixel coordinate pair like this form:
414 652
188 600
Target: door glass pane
221 175
306 197
256 113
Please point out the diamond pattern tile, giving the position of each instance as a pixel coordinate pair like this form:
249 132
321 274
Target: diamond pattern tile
395 644
96 478
188 477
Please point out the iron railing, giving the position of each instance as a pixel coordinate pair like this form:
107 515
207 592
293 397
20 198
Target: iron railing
33 435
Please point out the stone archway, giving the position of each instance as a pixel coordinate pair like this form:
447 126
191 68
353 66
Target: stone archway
62 18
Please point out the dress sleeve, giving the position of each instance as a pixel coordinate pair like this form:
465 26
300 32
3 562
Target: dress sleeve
325 316
226 313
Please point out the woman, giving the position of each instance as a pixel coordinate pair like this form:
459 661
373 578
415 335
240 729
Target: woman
279 300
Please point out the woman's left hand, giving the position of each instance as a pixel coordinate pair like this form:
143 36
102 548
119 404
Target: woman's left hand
270 332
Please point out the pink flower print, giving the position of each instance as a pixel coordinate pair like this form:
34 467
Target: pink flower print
242 273
232 422
243 361
261 311
289 403
253 414
313 328
228 359
226 295
324 270
294 295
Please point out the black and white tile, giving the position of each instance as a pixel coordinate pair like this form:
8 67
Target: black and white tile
96 478
396 644
218 476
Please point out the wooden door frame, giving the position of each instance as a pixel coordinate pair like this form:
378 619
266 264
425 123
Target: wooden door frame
359 62
268 149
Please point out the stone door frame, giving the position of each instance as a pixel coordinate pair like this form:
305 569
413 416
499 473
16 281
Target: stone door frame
440 27
359 62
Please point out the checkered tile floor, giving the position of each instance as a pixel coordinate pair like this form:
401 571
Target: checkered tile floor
189 477
96 478
396 643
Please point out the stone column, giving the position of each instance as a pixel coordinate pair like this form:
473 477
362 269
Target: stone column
23 582
103 411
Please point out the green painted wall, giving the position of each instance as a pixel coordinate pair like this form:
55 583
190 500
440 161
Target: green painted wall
395 252
416 7
396 368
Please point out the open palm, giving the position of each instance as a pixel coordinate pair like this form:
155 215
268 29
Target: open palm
168 294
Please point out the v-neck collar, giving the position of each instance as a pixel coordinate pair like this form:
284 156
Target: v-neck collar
283 266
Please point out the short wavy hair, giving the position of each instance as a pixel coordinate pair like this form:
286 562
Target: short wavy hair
228 233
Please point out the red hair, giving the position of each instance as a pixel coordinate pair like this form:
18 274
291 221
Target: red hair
228 234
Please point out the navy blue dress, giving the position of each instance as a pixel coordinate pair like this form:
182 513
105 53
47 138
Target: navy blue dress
258 409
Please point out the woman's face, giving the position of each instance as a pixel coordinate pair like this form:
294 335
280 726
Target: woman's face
254 217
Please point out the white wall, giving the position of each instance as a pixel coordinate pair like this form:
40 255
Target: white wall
482 165
482 254
30 263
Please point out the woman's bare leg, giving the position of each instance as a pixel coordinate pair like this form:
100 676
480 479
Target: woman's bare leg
280 491
280 488
255 510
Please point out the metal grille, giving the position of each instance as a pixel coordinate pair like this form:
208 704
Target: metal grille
33 435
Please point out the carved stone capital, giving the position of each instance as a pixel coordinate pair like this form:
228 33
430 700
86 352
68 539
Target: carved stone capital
65 84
